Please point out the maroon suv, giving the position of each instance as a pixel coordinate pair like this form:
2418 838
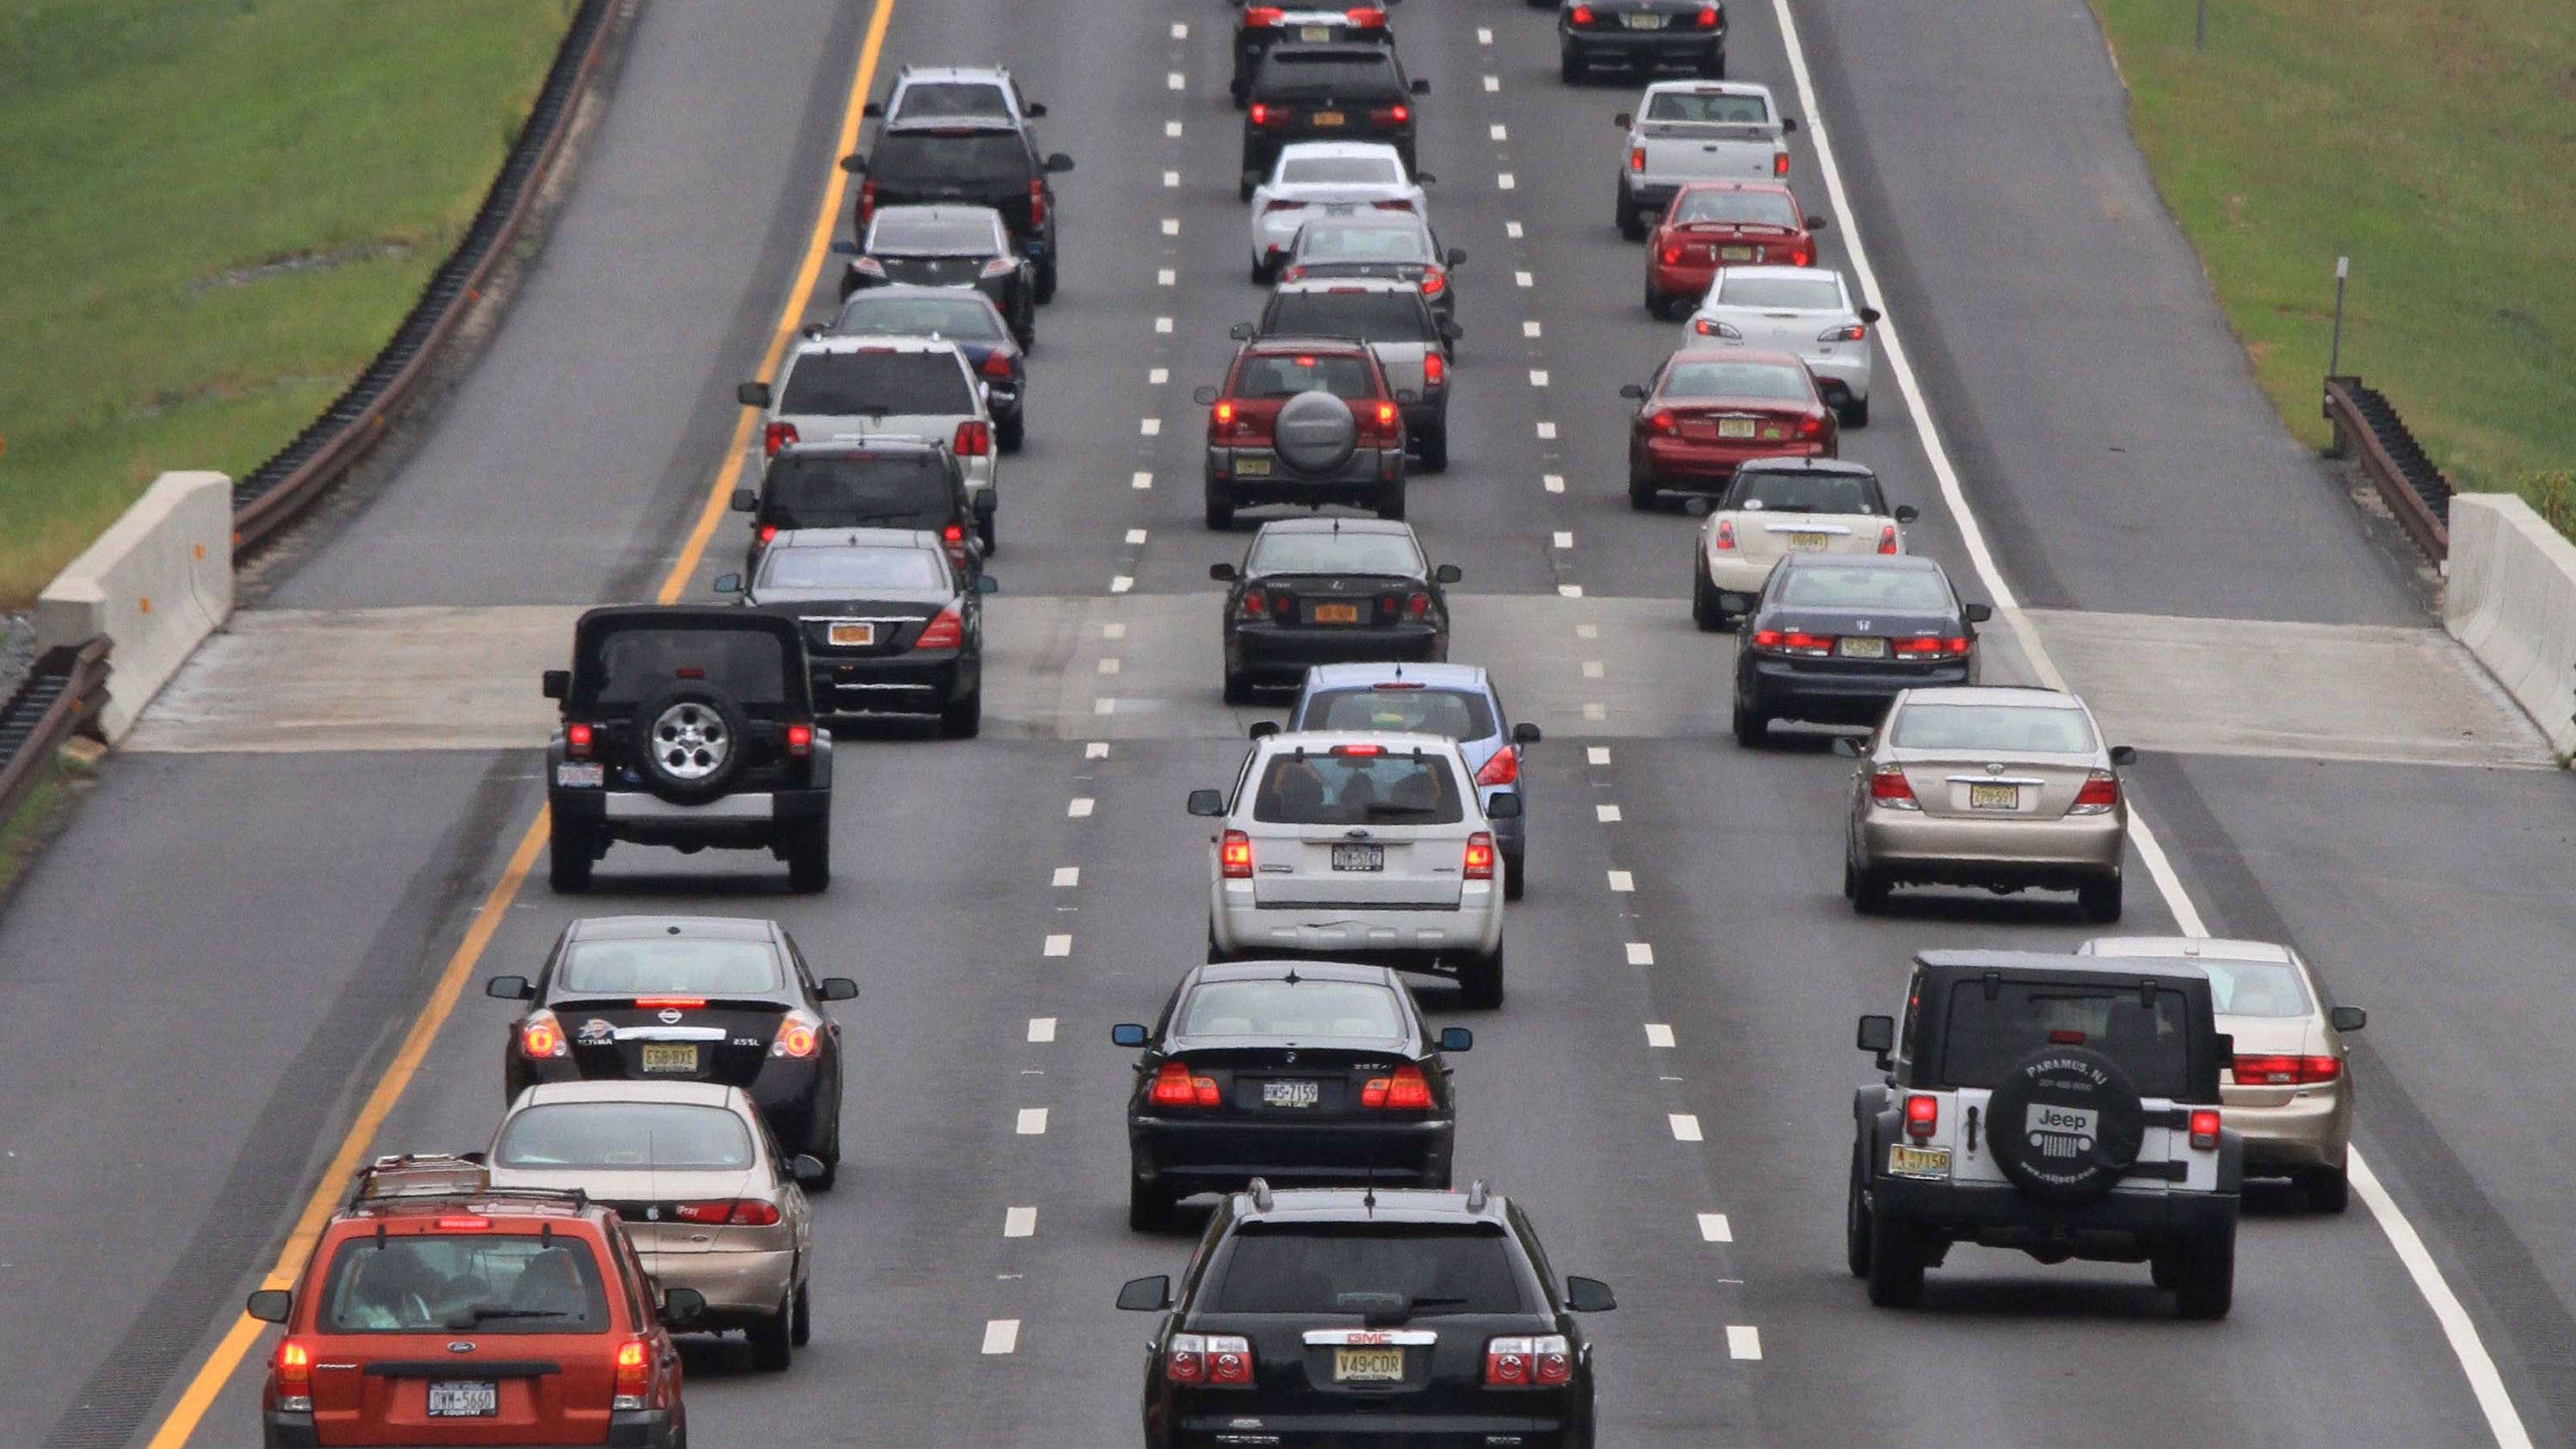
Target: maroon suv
1305 421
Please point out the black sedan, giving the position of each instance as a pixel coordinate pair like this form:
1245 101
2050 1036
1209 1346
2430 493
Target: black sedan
1330 591
1643 34
1300 1071
687 999
1833 637
968 319
1368 1316
891 627
1259 27
947 246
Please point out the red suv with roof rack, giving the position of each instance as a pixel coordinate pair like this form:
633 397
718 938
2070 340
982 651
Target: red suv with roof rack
1305 421
438 1310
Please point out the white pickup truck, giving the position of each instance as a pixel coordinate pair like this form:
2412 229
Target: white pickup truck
1697 131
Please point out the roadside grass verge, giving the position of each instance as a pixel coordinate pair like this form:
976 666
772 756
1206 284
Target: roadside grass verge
213 213
2433 142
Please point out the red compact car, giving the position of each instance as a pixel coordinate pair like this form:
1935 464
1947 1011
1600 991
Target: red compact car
1713 224
1711 409
437 1310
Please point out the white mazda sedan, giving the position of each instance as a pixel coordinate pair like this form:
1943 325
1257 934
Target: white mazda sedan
1326 178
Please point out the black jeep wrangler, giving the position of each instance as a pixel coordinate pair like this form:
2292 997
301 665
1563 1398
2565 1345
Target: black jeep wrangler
688 727
2066 1106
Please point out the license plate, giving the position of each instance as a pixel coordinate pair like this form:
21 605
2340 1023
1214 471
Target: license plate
1291 1094
1735 254
1337 613
1806 542
1359 857
581 777
1314 33
464 1399
1861 647
1919 1161
1252 467
1645 22
1328 118
853 635
1341 208
670 1058
1368 1365
1994 797
1735 427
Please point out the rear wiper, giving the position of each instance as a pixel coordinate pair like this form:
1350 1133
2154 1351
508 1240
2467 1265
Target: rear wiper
485 1312
1379 808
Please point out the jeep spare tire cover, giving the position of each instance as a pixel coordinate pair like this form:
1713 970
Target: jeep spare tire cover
690 740
1315 432
2065 1124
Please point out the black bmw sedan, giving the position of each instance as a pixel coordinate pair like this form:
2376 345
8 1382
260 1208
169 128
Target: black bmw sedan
947 246
1330 591
1300 1071
890 625
686 999
1834 637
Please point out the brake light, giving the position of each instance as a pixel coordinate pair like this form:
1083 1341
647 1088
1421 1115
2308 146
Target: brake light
1406 1091
1435 373
1368 19
974 439
1434 281
2286 1071
1503 769
1930 646
1520 1363
1220 1360
1706 327
1582 15
1665 423
541 1037
954 536
294 1377
1418 605
1774 641
690 1003
1810 426
997 363
1294 273
1637 159
2100 794
1887 538
2204 1129
1851 333
577 741
800 1035
768 531
1174 1086
1725 540
1672 254
1264 15
800 740
1779 163
1037 204
1234 853
1888 790
1480 856
867 201
1386 415
748 1212
1800 257
1255 604
465 1224
1264 113
1708 17
1364 752
1922 1117
775 437
1224 414
634 1379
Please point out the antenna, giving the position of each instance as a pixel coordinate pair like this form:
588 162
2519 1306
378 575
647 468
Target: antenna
1260 1191
1477 1196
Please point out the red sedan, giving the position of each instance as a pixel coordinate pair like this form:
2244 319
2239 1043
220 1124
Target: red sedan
1710 410
1713 224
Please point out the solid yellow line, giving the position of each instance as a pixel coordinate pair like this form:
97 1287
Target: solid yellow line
817 247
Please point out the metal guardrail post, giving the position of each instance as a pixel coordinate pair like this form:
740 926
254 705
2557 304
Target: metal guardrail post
2367 429
59 698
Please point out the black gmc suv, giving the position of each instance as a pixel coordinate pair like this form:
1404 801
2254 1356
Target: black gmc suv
978 160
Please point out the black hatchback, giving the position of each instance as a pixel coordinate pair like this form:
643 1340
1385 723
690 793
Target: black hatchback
1834 637
686 999
1340 1316
1330 591
1327 93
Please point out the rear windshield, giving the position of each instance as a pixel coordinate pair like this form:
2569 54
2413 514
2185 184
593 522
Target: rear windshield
668 966
614 1135
1361 1268
1720 109
2002 729
1286 375
1324 242
1453 712
1341 171
474 1282
1348 74
924 99
1372 316
889 490
1985 1038
1304 1009
1741 208
1301 552
2256 988
879 384
1787 294
1719 378
635 664
860 568
1757 489
968 316
1391 789
951 158
902 233
1902 590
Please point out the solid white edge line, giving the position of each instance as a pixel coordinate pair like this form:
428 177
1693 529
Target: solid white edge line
2494 1400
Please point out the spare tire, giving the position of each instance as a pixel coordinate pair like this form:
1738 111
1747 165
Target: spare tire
689 739
2065 1124
1315 432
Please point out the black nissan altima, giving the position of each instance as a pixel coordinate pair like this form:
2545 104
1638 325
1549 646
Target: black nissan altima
890 625
687 999
1834 637
1301 1071
1330 591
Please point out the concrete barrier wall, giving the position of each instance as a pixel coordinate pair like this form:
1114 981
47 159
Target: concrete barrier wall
156 583
2512 599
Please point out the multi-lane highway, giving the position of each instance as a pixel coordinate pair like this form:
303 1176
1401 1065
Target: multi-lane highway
243 959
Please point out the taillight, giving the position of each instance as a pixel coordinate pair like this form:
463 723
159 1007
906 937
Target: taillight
1418 605
1480 856
2101 793
869 265
1001 266
1526 1363
800 740
1637 159
1234 854
997 363
974 439
1725 540
1780 163
1887 538
1582 15
1386 415
1666 424
1223 415
1220 1360
1930 646
1887 788
775 437
800 1035
2204 1128
1801 257
1672 254
294 1377
954 536
1264 15
867 201
945 631
1368 19
1434 281
1852 332
1435 373
1503 769
634 1379
541 1037
1174 1086
1265 114
748 1212
1255 604
768 531
1811 426
1037 204
1406 1091
1707 327
1391 115
1708 17
1793 641
2286 1071
1293 273
577 741
1922 1117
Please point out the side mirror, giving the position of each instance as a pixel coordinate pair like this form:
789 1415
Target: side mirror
556 683
1623 121
1870 314
807 1170
510 988
270 1305
1128 1034
1204 397
1223 573
1059 162
1146 1295
1633 392
1505 807
845 247
1037 110
745 501
728 583
2347 1018
2124 754
1425 178
1242 331
1588 1295
1263 729
1815 223
873 110
1450 331
1457 256
752 394
1457 1039
1421 87
1526 733
1907 513
1788 125
1850 747
1448 573
1876 1034
837 988
855 164
983 504
987 584
1977 613
1207 802
682 1307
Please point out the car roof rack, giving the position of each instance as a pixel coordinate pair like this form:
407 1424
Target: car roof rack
413 1176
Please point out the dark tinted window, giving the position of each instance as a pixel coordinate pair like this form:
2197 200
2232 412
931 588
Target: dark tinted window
1324 241
890 490
916 233
1724 378
635 664
845 384
615 1135
855 569
1389 789
1305 1008
1993 729
1290 73
1354 1268
1708 108
1302 551
668 965
1913 591
952 98
1737 207
1453 712
1286 375
1756 488
1984 1038
467 1282
1374 316
955 158
968 316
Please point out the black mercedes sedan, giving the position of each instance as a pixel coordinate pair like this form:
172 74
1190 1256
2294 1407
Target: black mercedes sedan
1301 1071
1640 34
1361 1315
1330 591
968 319
686 999
947 246
1833 637
891 627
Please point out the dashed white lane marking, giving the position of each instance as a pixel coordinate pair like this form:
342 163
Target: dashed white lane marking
1171 178
1596 754
1547 431
1180 30
1059 945
1174 80
1121 584
1570 591
1538 377
1714 1228
1595 710
1104 705
1743 1341
1096 750
1033 1121
1553 482
1079 808
1659 1034
1041 1028
1512 229
1685 1126
1116 630
1067 877
1529 329
1484 35
1142 480
1562 539
1503 181
1493 83
1020 1222
1157 376
1172 224
1592 669
1641 953
1172 129
1498 131
1606 814
1524 279
1136 536
1620 880
1587 631
1167 278
1109 666
1163 325
1150 427
1001 1335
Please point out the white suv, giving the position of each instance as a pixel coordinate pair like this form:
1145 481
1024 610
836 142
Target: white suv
851 389
1339 843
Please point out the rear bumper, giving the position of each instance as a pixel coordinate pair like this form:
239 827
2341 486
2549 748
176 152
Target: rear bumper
1686 279
1358 480
1268 651
1223 1154
906 683
2308 1131
1217 1429
1474 928
1782 690
2118 1226
1680 466
739 1286
627 1429
1644 47
1912 845
747 821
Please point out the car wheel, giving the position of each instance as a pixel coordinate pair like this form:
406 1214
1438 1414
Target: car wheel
2329 1189
2205 1275
1243 188
963 719
1390 500
2100 900
801 1329
809 858
1752 726
1706 612
1262 272
1896 1261
1870 890
1046 278
2160 1267
1856 1227
984 533
1632 222
1149 1206
1641 490
1010 433
773 1339
1570 67
1480 983
568 860
1855 413
1515 876
1220 509
1238 689
1435 449
1714 68
1851 878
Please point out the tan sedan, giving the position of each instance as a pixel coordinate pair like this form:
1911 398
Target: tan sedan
708 1199
1987 786
2289 1088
